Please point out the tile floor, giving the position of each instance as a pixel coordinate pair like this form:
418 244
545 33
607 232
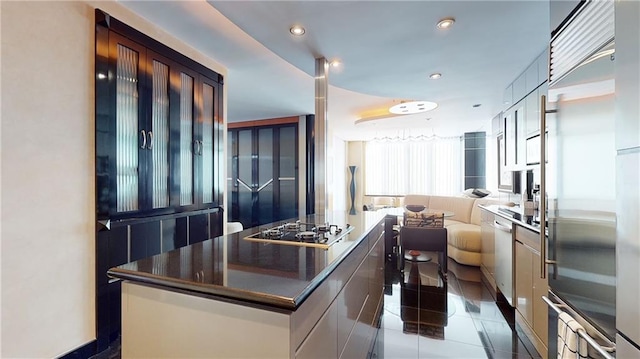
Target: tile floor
426 317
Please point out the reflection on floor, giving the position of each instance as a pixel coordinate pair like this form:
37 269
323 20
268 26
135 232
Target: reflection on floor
426 317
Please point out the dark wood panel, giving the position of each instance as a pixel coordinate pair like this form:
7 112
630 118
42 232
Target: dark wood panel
267 122
145 231
264 174
198 228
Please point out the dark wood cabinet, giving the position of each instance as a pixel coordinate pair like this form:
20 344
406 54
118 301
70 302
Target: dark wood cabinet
132 239
158 128
174 233
198 228
159 133
263 174
144 239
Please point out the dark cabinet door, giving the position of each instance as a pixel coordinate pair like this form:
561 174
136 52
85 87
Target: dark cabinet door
174 233
207 132
139 140
157 140
157 125
263 178
198 228
124 143
263 164
145 240
183 145
286 188
242 198
215 224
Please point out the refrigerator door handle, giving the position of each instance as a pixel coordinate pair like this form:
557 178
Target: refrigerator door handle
542 206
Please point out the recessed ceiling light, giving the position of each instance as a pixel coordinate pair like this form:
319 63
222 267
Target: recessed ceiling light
477 105
297 30
445 23
335 63
411 107
435 76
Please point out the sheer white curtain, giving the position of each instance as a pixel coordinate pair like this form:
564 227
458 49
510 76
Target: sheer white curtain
425 166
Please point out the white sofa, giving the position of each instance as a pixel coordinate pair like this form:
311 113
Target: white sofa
463 228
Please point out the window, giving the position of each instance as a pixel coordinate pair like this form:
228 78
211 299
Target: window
424 166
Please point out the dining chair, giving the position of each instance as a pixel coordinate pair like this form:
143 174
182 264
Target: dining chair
426 234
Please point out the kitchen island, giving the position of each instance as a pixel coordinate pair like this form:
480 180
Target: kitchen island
234 297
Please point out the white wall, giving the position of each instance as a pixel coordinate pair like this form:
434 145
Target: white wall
337 167
47 160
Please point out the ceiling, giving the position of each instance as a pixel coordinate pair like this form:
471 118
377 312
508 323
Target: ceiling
387 50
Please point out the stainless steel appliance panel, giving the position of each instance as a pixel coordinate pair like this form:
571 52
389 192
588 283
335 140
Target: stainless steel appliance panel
628 245
580 184
626 350
504 257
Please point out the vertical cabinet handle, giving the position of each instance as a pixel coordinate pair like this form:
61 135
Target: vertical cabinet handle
144 139
542 206
197 147
150 140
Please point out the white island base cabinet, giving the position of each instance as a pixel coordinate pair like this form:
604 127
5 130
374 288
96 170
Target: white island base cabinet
158 323
337 320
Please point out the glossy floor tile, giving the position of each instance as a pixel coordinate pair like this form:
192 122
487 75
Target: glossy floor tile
427 317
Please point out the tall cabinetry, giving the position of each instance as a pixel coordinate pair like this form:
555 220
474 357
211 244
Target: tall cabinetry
263 173
158 157
519 122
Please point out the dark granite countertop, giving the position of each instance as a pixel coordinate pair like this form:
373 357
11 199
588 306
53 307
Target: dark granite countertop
516 215
233 268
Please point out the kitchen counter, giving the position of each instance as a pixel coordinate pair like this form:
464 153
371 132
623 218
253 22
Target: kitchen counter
515 214
230 267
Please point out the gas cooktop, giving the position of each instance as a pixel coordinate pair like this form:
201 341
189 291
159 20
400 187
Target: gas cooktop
320 235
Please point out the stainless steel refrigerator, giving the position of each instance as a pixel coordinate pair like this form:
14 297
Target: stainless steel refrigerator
627 14
579 174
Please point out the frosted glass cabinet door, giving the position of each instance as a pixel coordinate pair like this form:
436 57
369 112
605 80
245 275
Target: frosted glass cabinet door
206 143
207 132
187 143
129 136
158 135
141 127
